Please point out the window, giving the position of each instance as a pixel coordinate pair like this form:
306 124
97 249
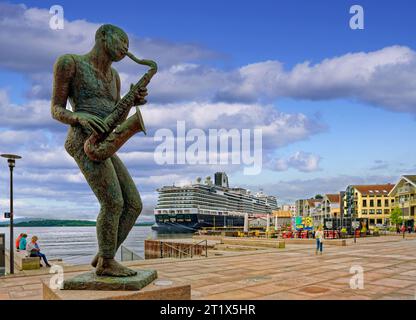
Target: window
386 202
364 211
371 221
379 221
371 203
386 211
371 211
379 211
364 203
379 203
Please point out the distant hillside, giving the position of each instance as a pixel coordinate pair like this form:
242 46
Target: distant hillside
61 223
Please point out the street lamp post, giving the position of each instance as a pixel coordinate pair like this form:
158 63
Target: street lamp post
11 159
404 229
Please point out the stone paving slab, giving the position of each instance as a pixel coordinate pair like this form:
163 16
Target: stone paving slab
291 273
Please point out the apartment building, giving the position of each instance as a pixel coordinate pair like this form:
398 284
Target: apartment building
331 205
369 201
404 195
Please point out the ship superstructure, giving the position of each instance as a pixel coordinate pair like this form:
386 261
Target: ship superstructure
208 204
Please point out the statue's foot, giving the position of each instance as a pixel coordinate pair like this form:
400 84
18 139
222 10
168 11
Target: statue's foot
94 261
110 267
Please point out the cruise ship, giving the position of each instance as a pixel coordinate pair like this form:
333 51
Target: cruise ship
208 204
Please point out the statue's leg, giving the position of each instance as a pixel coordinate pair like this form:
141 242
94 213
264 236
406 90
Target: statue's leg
102 178
132 201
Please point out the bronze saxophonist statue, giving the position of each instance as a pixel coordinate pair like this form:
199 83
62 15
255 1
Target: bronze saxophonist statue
97 129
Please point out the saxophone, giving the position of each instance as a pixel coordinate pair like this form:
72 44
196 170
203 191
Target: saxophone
99 147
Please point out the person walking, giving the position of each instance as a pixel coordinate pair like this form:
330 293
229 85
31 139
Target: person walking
319 236
33 249
23 241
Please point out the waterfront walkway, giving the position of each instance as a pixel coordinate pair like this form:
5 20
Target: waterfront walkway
389 265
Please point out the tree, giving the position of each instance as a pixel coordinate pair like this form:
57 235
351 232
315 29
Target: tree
396 216
319 197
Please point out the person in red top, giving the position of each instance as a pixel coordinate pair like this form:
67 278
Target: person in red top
403 228
17 243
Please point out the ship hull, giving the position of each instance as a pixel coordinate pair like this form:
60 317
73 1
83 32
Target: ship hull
195 222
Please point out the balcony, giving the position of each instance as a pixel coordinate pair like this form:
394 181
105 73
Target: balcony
404 190
407 203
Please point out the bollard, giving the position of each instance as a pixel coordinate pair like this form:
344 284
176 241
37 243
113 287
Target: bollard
2 254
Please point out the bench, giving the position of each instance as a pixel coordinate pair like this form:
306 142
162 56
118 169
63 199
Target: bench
23 262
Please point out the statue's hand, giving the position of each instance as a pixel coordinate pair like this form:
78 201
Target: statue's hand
139 99
92 122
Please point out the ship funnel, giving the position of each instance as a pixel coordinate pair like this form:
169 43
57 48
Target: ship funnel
221 179
208 181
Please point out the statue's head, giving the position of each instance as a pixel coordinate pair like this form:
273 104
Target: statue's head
113 40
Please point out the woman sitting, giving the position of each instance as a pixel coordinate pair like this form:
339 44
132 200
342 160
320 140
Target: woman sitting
34 251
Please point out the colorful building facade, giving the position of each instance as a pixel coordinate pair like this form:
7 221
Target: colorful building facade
372 202
404 195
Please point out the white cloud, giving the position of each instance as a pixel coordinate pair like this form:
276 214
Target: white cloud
302 161
33 114
384 78
183 89
279 129
34 46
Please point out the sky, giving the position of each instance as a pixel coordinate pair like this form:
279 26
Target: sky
336 106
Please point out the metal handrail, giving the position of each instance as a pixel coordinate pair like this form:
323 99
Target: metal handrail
162 243
195 244
172 247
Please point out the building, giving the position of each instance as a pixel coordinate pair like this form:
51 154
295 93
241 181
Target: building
291 208
331 206
282 218
314 210
300 205
404 195
369 201
309 208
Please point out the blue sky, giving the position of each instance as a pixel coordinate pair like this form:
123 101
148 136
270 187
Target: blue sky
343 102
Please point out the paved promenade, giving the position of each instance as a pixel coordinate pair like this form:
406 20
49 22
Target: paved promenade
389 265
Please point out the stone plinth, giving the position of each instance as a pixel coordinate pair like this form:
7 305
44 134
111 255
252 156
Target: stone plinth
157 290
22 261
90 281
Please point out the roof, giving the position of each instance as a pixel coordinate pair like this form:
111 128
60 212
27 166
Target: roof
312 202
408 178
333 198
282 214
375 189
411 178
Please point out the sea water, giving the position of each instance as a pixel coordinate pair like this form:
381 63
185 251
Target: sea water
78 245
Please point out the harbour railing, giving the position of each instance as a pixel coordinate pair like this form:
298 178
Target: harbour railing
129 255
169 249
